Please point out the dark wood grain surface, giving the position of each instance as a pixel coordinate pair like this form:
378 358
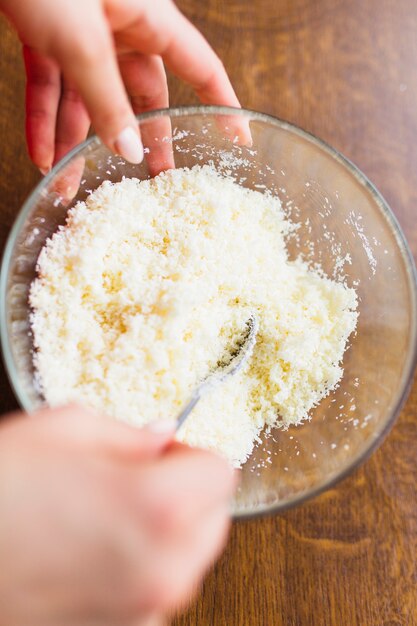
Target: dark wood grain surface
345 70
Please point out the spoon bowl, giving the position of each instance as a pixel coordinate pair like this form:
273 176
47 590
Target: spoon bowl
229 365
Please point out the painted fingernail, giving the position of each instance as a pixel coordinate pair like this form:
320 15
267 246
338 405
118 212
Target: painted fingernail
129 145
162 427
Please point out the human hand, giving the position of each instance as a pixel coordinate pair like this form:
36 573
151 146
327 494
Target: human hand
101 523
103 60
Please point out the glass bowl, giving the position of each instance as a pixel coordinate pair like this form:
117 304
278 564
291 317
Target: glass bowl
340 216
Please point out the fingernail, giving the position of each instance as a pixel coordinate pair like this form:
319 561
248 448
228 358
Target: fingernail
162 427
44 170
129 145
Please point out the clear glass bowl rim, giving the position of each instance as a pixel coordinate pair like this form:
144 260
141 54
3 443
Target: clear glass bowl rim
408 371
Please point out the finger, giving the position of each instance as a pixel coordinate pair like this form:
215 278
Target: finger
73 121
84 427
192 59
186 483
169 34
184 50
88 61
72 127
43 90
145 80
157 140
66 183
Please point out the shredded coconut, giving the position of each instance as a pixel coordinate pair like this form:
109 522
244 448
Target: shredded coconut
140 293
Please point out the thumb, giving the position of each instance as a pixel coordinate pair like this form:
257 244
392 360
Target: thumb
83 427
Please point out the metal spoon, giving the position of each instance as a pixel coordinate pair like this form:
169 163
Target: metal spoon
224 369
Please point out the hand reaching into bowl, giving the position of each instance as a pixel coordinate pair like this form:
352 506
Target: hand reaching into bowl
101 523
103 61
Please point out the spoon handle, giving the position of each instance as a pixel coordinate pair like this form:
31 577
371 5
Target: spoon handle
187 409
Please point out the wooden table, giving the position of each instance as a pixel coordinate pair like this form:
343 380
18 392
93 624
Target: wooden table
345 70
